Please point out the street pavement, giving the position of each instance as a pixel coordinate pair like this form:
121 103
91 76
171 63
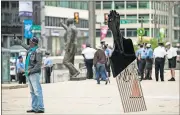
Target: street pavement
86 97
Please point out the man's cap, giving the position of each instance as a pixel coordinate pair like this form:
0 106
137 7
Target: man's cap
141 45
161 43
168 43
88 45
47 53
34 40
19 57
102 41
148 45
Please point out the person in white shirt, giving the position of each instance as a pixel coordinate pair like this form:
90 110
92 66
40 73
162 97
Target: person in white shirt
171 55
159 55
88 54
47 65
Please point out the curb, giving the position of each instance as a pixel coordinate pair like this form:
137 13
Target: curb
15 86
77 78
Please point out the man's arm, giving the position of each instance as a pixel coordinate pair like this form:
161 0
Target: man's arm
19 42
95 59
37 67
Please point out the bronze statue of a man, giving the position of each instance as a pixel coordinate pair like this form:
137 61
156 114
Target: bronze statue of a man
70 39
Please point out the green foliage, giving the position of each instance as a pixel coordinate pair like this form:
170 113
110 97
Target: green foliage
154 43
135 47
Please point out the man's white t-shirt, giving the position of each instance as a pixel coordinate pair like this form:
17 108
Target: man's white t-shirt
159 52
89 53
172 52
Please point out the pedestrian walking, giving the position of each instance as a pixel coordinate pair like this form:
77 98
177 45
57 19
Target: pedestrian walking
33 65
88 54
171 55
142 61
21 70
159 55
108 54
99 64
48 68
149 63
138 57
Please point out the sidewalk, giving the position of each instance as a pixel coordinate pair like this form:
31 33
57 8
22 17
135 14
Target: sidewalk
14 85
86 97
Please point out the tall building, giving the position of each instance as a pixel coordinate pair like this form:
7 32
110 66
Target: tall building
154 13
10 22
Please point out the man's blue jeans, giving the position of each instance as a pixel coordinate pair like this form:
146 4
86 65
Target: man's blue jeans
100 72
36 92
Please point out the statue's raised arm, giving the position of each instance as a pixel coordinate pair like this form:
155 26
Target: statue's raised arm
63 25
123 53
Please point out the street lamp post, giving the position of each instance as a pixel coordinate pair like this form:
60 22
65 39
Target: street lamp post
141 20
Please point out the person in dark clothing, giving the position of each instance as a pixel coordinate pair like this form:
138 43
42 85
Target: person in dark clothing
142 62
149 63
107 53
138 57
88 54
159 54
99 64
21 70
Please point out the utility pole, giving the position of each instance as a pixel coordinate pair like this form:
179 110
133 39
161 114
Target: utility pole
44 43
92 22
179 20
142 20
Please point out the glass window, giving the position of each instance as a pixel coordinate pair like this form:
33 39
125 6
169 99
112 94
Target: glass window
176 9
119 4
84 5
132 18
50 21
64 4
122 32
4 4
132 32
145 16
152 5
176 21
98 4
58 3
146 32
176 34
131 4
122 16
14 4
46 20
107 4
144 5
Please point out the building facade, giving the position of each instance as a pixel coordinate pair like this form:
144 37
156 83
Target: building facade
155 16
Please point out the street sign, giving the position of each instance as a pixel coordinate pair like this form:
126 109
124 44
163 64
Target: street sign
123 21
141 31
36 27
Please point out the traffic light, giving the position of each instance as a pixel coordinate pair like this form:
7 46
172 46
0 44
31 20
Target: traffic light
105 18
76 17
